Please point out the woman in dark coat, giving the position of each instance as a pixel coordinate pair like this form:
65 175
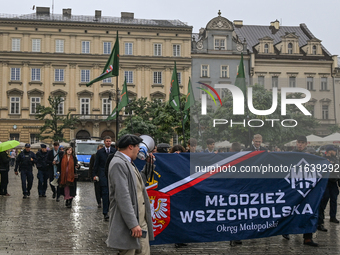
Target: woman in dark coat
68 176
4 168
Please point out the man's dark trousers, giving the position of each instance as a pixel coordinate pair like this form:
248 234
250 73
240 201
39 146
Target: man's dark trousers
26 175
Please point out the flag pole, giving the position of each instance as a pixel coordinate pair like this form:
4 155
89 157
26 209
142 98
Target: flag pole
117 115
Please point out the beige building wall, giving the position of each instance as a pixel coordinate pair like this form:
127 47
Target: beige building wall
141 62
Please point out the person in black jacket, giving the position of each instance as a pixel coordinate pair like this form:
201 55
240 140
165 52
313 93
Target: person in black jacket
68 176
43 173
4 168
25 162
99 173
53 159
96 184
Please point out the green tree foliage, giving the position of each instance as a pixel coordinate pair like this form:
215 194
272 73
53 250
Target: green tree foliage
55 124
155 118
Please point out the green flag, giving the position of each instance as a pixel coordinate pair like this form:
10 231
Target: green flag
190 100
174 91
124 100
111 68
240 78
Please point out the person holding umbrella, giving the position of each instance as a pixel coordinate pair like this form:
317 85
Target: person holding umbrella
25 161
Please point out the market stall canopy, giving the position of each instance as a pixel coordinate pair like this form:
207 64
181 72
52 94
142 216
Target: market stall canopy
20 145
37 145
312 140
335 138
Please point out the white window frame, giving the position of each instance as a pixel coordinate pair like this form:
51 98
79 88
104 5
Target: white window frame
323 83
35 138
36 45
86 102
224 71
129 76
128 48
310 83
106 106
157 49
290 50
85 75
35 74
16 102
325 112
59 45
292 81
261 80
59 75
15 73
106 47
204 70
266 48
16 44
60 110
34 102
179 78
107 80
157 77
176 50
85 47
220 43
275 81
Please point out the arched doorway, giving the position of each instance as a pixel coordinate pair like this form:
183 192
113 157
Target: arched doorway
109 133
83 134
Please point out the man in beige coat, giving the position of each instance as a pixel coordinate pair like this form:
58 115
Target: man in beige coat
129 210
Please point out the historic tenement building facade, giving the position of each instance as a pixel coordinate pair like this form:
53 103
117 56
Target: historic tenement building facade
291 56
44 55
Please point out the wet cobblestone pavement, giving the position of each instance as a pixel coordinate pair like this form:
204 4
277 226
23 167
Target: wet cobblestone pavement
43 226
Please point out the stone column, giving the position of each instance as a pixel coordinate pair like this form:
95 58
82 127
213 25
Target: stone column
47 82
72 85
25 100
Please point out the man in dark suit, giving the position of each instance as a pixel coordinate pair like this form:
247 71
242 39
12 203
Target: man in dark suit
54 157
256 146
98 173
96 184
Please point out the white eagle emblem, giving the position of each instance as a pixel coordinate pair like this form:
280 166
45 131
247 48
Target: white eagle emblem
158 212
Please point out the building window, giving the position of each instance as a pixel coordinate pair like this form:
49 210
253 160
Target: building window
314 50
179 78
106 106
290 48
266 48
16 44
15 105
35 74
107 80
204 70
34 138
176 49
157 49
292 82
128 48
106 47
35 102
60 110
85 47
310 83
85 106
325 112
59 46
36 45
85 76
129 76
312 107
59 75
14 137
224 72
275 82
261 80
157 77
15 74
323 83
219 44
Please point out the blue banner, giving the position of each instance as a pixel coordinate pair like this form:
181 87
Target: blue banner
234 196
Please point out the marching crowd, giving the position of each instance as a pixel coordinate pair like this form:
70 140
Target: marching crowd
121 192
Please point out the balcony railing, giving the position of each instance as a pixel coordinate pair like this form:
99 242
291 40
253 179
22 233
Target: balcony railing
94 117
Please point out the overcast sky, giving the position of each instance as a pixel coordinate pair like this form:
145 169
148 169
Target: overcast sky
321 17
